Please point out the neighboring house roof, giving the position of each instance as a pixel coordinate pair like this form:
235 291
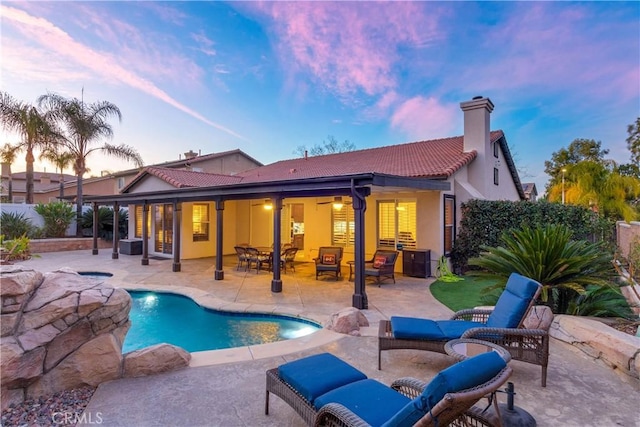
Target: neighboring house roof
183 179
19 181
189 162
530 188
434 159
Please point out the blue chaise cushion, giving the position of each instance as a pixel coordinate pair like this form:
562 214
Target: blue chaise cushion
513 302
414 328
372 401
469 373
315 375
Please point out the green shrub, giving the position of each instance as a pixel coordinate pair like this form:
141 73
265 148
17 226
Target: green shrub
105 222
14 225
484 221
17 248
601 301
57 217
547 254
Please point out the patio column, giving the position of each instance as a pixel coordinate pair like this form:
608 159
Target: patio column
219 273
116 231
95 229
145 234
359 299
276 282
177 220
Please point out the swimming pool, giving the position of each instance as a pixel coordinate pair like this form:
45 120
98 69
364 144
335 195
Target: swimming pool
178 320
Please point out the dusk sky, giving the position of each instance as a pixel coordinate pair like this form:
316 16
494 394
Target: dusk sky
267 77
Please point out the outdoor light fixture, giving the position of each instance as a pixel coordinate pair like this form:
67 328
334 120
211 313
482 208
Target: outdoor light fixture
268 205
337 203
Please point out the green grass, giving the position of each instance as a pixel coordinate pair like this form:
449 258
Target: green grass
463 294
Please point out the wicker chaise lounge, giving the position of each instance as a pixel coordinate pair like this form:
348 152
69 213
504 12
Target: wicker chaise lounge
514 324
326 391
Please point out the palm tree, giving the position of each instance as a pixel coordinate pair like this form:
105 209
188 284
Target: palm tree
35 130
84 124
547 254
599 186
8 155
61 160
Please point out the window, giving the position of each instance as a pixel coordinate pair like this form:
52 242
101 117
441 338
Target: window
495 176
200 222
343 228
449 223
397 224
120 183
495 149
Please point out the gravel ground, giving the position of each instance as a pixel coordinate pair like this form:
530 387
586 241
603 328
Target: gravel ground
60 409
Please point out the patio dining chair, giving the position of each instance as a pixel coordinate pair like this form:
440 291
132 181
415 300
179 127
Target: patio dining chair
504 325
326 391
241 252
288 257
257 259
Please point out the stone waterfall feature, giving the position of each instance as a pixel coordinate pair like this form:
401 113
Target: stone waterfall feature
61 330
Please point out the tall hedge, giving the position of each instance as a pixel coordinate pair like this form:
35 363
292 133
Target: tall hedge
483 222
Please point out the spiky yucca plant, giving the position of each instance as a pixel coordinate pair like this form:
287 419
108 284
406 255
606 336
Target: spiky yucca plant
547 254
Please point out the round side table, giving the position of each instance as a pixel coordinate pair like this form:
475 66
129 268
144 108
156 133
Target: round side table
463 348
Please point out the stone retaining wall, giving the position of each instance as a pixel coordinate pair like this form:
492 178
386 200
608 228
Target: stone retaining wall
617 350
66 244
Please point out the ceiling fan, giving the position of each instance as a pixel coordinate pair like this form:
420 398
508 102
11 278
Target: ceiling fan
337 202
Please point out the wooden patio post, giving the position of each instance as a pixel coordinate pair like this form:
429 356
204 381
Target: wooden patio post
276 282
177 221
219 273
145 234
116 230
359 299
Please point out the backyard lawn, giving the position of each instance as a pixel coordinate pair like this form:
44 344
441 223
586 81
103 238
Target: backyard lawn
463 294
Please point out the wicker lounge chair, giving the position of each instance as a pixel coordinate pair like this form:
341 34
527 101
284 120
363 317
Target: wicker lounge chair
326 391
510 324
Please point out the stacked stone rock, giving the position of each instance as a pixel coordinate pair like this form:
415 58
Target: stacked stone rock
61 330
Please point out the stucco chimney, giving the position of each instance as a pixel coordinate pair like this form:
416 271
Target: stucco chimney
477 123
45 179
477 136
190 154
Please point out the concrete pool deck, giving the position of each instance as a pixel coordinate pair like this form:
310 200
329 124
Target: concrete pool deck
226 387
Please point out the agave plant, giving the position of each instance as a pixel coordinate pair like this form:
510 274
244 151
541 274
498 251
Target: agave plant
547 254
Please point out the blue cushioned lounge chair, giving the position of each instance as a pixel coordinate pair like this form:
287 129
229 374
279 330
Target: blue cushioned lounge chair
326 391
503 325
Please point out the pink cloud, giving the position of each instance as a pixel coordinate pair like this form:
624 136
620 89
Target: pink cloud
425 118
350 47
49 37
545 45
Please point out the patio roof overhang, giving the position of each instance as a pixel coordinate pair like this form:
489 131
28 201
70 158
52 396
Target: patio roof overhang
307 187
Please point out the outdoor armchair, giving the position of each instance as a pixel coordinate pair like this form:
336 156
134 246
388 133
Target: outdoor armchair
329 261
242 257
326 391
381 266
503 325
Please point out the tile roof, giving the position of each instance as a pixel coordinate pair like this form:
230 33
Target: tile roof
434 159
181 178
439 158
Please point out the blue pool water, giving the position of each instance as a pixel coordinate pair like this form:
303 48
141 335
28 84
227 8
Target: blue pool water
175 319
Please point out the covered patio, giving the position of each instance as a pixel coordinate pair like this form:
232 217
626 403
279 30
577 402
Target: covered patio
357 187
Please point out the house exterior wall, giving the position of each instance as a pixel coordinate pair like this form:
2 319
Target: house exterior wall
227 165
